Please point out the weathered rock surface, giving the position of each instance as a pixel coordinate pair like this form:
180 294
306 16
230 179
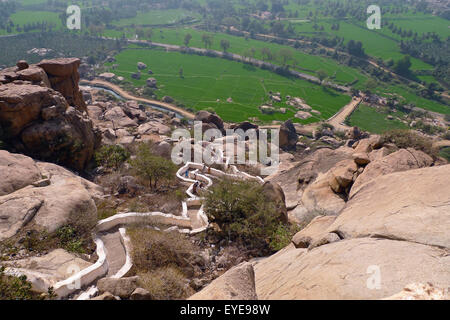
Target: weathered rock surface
421 291
367 145
47 270
211 119
402 160
340 270
412 205
342 175
396 227
141 294
315 229
60 198
298 175
155 127
237 283
48 207
16 171
320 199
119 119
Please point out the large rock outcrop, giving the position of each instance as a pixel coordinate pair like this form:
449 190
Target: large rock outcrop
274 193
128 122
343 270
45 118
410 206
395 228
16 171
64 77
401 160
46 199
299 175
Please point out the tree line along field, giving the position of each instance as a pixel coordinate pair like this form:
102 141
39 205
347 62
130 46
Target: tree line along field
374 43
300 61
208 83
383 43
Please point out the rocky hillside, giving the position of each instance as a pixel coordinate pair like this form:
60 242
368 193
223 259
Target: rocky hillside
43 114
379 223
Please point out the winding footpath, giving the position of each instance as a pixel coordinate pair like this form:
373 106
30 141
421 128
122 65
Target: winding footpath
113 244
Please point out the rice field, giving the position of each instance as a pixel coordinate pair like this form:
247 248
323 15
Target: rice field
234 90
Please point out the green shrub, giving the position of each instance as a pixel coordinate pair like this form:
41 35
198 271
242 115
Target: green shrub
242 214
70 239
111 156
409 139
14 288
152 168
19 288
282 236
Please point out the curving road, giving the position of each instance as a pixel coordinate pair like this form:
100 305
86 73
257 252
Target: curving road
128 96
337 120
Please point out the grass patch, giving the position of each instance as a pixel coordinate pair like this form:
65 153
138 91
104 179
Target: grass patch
370 119
158 17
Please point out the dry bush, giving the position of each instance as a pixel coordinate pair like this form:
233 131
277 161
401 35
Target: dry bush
166 283
409 139
154 249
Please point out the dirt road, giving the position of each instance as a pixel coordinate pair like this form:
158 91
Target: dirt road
337 120
128 96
